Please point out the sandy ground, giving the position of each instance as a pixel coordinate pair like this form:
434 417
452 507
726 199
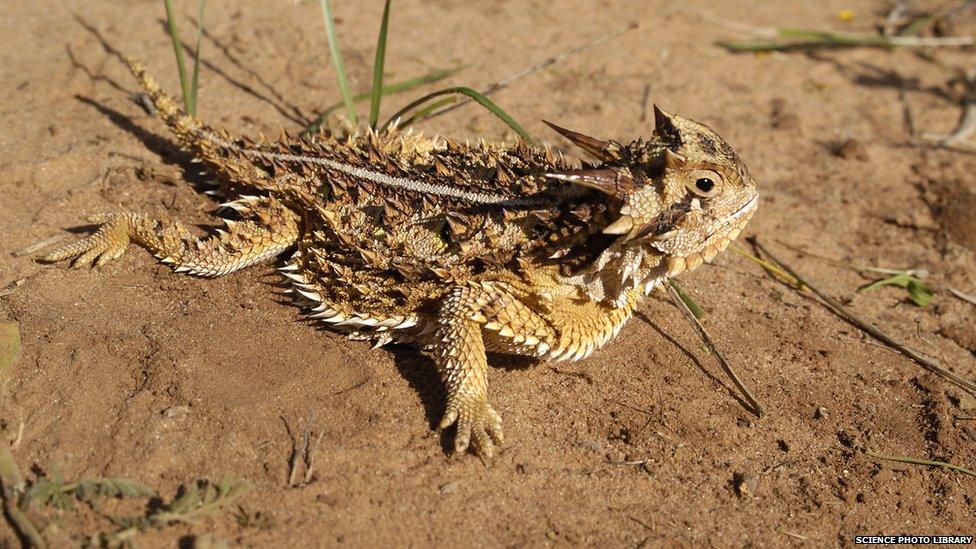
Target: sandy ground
132 371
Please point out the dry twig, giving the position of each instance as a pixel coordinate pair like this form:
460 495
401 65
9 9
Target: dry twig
916 461
703 334
794 535
41 244
303 453
835 307
965 297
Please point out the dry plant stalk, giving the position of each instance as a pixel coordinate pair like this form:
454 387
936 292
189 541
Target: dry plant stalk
928 363
707 339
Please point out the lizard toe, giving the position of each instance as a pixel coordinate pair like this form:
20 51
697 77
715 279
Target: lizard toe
479 427
107 243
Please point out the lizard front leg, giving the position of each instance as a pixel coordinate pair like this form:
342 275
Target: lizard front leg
268 228
467 315
459 353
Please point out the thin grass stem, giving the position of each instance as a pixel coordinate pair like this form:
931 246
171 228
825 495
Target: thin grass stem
770 268
674 292
420 115
377 90
849 317
809 39
473 94
692 305
917 461
195 85
396 87
174 35
340 68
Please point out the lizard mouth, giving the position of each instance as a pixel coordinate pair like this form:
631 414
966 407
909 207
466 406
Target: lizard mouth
746 208
716 241
736 219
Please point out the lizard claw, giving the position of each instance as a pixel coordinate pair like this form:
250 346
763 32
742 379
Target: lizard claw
107 243
479 426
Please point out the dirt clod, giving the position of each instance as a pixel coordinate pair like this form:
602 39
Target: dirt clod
745 484
848 149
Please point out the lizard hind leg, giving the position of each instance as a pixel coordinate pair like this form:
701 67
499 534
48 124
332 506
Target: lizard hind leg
267 229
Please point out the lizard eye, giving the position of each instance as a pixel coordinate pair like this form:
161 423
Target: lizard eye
704 184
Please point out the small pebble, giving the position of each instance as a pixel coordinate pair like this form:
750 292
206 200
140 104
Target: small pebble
450 487
176 411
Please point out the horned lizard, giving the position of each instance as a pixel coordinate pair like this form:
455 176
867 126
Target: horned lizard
458 249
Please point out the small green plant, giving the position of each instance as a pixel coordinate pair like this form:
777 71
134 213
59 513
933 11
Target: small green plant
919 293
54 491
197 500
25 504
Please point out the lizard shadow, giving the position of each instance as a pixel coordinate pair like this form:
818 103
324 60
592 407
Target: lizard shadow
278 102
868 75
417 369
694 360
166 149
412 364
162 146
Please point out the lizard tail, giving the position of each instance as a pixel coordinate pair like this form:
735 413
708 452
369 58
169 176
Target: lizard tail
211 145
190 132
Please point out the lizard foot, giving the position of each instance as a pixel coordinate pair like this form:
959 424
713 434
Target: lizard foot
107 243
478 426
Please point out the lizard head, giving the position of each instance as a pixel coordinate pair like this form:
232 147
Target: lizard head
681 196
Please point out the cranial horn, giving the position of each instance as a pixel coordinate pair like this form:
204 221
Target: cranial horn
596 147
673 159
664 126
605 180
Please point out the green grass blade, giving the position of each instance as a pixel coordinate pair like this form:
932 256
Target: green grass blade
692 305
336 54
396 87
770 268
808 39
192 108
174 34
421 114
834 38
377 91
477 97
